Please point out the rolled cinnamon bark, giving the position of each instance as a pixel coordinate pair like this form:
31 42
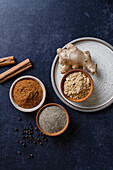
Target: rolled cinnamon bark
7 61
15 70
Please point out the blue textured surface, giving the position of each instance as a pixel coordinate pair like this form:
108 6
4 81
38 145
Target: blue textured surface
35 29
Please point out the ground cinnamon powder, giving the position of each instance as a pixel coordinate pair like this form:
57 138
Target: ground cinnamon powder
27 93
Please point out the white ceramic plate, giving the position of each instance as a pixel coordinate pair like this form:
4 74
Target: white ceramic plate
20 108
102 96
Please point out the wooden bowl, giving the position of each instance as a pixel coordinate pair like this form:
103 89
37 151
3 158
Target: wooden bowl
57 133
62 84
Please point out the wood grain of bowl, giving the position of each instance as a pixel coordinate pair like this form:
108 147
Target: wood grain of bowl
62 85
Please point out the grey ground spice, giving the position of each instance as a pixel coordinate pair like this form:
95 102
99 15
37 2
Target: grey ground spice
52 119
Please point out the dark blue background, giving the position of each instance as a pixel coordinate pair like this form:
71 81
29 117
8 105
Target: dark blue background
35 29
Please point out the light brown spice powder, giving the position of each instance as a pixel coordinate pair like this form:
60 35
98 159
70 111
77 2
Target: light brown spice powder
27 93
77 85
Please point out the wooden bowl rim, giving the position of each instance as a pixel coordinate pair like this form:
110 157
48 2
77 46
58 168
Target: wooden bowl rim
52 134
91 89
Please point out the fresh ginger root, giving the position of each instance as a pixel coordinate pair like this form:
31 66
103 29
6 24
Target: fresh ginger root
72 57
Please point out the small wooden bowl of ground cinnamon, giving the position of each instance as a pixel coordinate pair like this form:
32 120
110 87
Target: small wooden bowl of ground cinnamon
27 93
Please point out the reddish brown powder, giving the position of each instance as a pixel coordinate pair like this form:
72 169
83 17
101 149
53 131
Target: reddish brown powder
27 93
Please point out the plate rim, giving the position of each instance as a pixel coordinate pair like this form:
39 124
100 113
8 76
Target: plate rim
106 104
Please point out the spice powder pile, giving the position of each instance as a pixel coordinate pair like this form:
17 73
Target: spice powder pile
52 119
27 93
77 85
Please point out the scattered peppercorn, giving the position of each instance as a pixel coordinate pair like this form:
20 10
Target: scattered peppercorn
23 137
19 118
19 152
41 143
22 133
45 140
26 131
24 145
16 129
28 157
31 155
31 125
21 142
38 139
43 137
41 134
36 128
38 134
29 135
34 142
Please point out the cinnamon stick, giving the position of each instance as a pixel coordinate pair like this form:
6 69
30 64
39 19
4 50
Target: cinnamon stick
7 60
15 70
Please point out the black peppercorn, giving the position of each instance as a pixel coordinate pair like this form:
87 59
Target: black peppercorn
28 157
19 152
19 118
45 140
21 142
38 134
34 142
43 137
38 139
41 143
31 155
26 131
36 128
22 133
24 145
23 137
16 129
24 128
41 133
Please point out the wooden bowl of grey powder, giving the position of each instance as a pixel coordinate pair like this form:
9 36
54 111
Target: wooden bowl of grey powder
52 119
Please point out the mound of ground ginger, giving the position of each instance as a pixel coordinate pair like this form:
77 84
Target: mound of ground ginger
27 93
77 85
